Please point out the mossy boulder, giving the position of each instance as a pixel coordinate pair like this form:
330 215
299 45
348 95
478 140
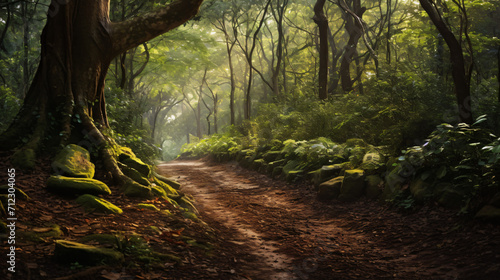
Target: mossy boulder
374 186
134 189
489 213
174 184
73 161
353 142
451 198
24 159
146 206
133 174
20 194
353 185
420 190
76 186
70 252
372 162
138 165
356 155
95 204
330 189
327 172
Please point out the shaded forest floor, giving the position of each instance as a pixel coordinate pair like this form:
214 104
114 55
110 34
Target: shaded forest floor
256 228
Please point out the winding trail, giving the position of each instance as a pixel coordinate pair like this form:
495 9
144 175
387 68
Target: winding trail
273 230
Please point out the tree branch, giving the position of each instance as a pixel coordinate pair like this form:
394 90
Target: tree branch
135 31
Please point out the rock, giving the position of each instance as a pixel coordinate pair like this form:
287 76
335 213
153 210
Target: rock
19 193
374 186
257 164
70 252
330 189
326 172
169 190
24 159
420 190
76 186
134 189
95 204
41 234
138 165
166 180
451 198
495 201
73 161
372 162
145 206
353 142
133 174
353 185
356 155
489 213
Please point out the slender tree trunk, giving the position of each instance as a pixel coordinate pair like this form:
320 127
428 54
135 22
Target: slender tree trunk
498 74
322 22
460 79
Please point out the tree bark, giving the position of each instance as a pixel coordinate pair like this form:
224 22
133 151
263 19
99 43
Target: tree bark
65 102
322 22
460 79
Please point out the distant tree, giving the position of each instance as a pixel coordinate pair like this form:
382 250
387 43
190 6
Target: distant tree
322 22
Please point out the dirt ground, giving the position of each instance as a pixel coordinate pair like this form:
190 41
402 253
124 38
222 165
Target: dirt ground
256 228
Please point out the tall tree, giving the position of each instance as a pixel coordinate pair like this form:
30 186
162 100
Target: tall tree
460 74
65 102
322 22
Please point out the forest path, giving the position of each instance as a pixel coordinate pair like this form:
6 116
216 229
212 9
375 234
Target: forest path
273 230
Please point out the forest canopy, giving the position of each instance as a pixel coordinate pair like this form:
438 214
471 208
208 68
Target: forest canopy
255 67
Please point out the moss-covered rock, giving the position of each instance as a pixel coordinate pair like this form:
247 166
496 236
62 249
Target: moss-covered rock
133 174
41 234
372 162
73 161
353 185
24 159
70 252
134 189
95 204
169 190
330 189
451 198
489 213
20 194
146 206
327 172
420 190
76 186
138 165
174 184
356 155
353 142
374 186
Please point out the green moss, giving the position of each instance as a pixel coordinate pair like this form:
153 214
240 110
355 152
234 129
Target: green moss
145 206
76 186
167 181
24 159
133 174
55 231
169 190
95 204
70 252
134 189
73 161
21 195
138 165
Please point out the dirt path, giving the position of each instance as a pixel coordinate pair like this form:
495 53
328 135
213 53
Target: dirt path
272 230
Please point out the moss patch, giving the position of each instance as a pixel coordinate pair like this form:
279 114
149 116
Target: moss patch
145 206
134 189
95 204
138 165
73 161
69 252
76 186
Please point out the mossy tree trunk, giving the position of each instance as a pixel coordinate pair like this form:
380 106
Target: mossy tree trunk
65 103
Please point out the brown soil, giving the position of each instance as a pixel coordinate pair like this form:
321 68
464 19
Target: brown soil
260 229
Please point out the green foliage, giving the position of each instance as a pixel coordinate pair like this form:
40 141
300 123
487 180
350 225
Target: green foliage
467 156
9 105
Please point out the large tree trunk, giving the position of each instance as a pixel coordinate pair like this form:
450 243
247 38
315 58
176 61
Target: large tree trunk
460 79
65 103
322 22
